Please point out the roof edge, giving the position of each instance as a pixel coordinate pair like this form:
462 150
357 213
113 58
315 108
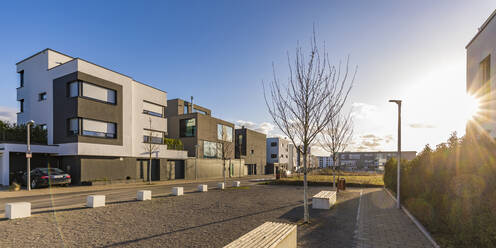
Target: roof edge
42 51
481 28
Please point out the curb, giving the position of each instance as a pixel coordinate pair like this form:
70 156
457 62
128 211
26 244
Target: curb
415 221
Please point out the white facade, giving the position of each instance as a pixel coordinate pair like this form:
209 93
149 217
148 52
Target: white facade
325 162
292 161
39 72
481 68
277 151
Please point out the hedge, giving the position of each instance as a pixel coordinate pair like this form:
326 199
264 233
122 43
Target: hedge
452 190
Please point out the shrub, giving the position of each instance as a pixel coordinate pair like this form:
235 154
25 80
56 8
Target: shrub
452 190
173 144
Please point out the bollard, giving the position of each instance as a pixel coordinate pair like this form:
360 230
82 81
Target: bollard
17 210
221 186
94 201
177 191
236 183
144 195
203 188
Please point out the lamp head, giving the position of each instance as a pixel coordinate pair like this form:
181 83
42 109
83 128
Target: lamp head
396 101
31 122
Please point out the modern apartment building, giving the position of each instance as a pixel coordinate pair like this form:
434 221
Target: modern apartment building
251 146
369 161
277 154
325 161
481 55
99 121
202 135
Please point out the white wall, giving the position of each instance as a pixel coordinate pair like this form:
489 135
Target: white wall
482 46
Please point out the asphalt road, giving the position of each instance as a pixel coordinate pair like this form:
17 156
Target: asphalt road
65 199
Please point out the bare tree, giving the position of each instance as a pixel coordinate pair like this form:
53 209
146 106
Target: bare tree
336 137
227 149
314 93
151 146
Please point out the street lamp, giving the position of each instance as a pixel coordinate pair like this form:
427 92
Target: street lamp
398 204
28 154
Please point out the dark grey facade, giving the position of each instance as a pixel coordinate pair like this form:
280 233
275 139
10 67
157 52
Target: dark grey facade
251 146
370 161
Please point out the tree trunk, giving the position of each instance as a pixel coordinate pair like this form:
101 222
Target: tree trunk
306 215
150 170
334 173
224 170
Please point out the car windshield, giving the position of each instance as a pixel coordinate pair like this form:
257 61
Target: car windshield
51 171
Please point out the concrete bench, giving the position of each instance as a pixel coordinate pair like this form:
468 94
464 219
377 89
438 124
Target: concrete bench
94 201
144 195
17 210
236 183
203 188
269 234
324 200
178 191
221 186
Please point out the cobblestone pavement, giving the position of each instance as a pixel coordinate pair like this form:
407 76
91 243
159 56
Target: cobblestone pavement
381 224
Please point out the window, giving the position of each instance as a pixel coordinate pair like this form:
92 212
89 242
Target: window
224 132
185 110
153 109
21 105
212 149
21 79
88 90
187 127
98 128
74 89
252 151
74 126
273 144
42 96
154 137
273 155
94 128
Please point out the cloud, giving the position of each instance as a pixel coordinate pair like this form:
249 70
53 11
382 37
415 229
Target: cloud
421 125
371 142
8 114
362 110
264 127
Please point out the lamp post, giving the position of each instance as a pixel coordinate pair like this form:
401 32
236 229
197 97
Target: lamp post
28 154
398 204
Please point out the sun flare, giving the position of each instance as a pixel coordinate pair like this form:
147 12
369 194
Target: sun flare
471 107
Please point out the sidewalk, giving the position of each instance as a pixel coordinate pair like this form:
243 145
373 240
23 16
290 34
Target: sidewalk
381 224
74 189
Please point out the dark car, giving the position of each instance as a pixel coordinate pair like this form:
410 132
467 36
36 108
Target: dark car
47 176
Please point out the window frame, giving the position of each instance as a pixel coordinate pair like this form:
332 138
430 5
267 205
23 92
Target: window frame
182 131
21 79
80 92
21 105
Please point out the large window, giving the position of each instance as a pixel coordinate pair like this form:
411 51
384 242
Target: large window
187 127
153 109
224 132
212 149
42 96
80 88
94 128
155 137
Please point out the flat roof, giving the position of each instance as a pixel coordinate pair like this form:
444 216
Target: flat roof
481 28
73 58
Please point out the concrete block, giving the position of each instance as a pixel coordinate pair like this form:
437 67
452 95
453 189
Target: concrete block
17 210
178 191
236 183
203 188
324 200
221 186
144 195
94 201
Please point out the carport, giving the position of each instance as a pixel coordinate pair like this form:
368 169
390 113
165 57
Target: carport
13 159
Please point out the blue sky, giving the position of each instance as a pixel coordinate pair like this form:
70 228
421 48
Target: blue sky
220 51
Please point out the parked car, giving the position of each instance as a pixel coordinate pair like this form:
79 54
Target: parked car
47 176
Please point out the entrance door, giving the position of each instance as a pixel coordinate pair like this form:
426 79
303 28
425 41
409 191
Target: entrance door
179 169
155 169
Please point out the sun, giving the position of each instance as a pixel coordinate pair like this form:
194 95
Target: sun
470 107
